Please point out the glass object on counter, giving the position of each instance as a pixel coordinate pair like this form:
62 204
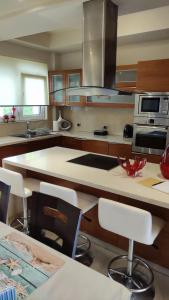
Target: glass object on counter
132 168
164 164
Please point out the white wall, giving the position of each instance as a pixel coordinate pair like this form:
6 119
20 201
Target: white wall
126 54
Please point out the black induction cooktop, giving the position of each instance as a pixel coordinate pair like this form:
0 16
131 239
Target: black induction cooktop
96 161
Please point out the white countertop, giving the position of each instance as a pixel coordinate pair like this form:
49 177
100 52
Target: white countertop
90 136
10 140
73 280
53 162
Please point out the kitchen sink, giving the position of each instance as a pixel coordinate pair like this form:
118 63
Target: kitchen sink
30 135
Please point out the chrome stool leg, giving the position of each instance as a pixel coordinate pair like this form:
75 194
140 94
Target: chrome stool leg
25 216
83 250
131 277
21 223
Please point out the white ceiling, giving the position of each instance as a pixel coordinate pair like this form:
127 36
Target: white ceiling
28 18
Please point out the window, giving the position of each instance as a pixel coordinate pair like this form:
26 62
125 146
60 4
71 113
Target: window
32 112
24 113
34 90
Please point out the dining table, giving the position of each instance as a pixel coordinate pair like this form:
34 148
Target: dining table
50 274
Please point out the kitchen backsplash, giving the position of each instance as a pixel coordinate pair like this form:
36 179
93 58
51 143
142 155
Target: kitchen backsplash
91 118
19 127
11 128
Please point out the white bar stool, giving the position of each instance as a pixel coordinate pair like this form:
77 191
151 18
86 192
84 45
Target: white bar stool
20 187
81 200
136 225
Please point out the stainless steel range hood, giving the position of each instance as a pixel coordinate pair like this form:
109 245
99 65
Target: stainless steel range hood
99 50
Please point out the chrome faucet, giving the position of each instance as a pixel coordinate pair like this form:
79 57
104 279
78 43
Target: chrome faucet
28 127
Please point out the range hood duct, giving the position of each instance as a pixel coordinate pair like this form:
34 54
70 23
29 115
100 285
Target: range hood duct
99 46
99 50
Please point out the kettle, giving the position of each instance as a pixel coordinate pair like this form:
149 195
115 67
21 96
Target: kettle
61 124
128 131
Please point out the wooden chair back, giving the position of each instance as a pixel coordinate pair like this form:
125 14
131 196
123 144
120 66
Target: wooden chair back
54 222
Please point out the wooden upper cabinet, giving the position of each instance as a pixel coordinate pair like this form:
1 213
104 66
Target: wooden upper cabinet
57 81
74 79
153 76
126 77
64 79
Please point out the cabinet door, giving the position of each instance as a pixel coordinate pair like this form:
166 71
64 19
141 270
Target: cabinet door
57 82
153 76
44 143
95 146
121 150
13 150
70 142
126 77
74 79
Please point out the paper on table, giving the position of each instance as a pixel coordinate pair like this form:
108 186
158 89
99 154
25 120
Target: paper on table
163 187
149 182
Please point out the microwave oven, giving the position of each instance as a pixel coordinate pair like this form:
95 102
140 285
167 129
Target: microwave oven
155 105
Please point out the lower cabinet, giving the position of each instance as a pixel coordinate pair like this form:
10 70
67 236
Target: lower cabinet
113 149
121 150
71 142
12 150
43 144
21 148
95 146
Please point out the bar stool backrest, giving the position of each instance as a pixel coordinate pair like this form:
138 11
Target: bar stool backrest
4 200
128 221
14 179
53 215
62 192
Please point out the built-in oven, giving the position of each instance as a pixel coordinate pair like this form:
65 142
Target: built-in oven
153 105
150 139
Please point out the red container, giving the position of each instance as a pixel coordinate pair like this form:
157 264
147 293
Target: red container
164 164
133 168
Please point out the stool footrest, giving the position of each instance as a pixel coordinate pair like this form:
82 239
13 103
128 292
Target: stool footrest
137 283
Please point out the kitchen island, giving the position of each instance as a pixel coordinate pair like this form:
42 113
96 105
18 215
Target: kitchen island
52 165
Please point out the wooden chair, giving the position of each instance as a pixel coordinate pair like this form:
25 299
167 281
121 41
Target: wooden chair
54 222
81 200
4 200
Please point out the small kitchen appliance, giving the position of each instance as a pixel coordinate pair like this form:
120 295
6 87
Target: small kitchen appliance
128 131
61 124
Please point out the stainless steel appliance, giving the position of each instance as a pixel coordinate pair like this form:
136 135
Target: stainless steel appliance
150 139
151 123
150 106
99 50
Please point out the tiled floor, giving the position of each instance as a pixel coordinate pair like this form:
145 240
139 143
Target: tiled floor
104 252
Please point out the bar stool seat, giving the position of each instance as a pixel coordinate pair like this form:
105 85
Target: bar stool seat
22 188
81 200
136 225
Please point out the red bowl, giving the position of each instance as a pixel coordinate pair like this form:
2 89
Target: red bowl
132 168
